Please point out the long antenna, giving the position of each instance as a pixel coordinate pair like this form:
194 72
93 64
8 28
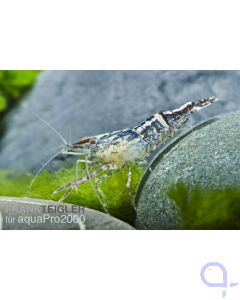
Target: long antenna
40 170
51 127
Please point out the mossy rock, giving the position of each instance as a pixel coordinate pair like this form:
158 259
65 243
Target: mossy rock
117 198
203 165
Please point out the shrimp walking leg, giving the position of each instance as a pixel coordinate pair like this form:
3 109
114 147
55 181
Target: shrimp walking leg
78 182
99 194
129 179
77 164
128 185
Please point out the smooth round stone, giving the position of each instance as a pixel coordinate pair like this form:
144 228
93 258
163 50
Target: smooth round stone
27 213
208 156
82 103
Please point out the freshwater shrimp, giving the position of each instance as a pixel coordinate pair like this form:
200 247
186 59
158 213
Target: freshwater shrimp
118 149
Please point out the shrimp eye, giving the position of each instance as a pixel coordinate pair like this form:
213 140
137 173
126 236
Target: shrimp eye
92 141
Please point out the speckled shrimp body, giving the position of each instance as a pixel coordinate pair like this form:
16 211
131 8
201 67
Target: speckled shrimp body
136 144
116 149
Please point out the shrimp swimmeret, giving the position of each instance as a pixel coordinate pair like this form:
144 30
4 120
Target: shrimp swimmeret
117 149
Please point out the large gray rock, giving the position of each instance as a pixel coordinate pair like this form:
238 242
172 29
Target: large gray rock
92 102
208 156
26 213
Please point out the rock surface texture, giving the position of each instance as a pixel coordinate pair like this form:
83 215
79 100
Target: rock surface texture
81 103
207 156
23 213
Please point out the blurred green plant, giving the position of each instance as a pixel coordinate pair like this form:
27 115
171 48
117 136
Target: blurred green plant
13 84
118 199
203 208
3 103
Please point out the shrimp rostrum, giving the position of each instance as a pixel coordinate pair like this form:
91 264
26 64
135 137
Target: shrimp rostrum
117 149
